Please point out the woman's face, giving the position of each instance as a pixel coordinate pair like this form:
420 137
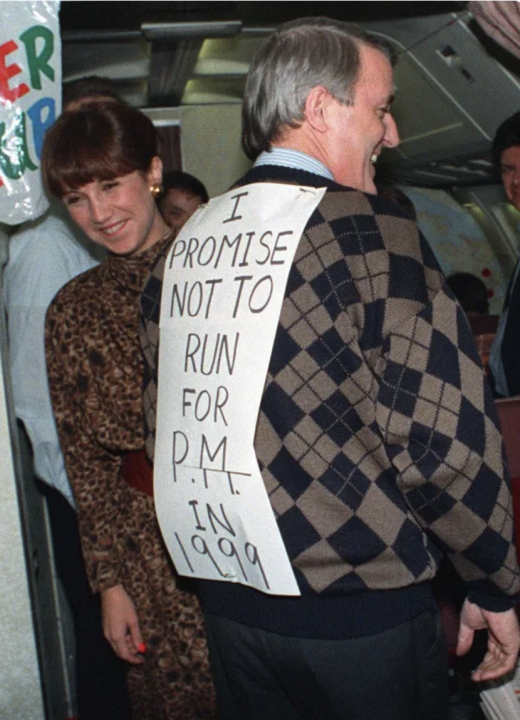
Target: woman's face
119 214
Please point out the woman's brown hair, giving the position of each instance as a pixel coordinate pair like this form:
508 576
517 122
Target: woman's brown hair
100 141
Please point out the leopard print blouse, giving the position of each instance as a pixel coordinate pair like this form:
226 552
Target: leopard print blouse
95 370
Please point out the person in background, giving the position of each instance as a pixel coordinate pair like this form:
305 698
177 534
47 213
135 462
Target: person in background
101 161
43 256
377 436
471 292
181 195
505 351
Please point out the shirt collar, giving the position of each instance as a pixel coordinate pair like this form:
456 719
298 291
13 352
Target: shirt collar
293 159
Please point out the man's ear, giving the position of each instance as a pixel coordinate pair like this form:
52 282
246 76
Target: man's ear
316 108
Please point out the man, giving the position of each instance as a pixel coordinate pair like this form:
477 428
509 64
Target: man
182 195
377 436
505 350
43 256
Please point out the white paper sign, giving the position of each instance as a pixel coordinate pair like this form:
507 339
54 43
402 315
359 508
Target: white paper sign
223 289
30 100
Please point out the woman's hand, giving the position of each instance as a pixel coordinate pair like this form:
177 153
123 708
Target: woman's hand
120 624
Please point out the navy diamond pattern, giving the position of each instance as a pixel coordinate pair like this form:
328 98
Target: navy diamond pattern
430 502
334 357
373 329
345 481
295 280
281 411
406 547
406 278
486 550
336 289
471 429
286 349
297 532
296 479
361 543
359 236
444 364
337 419
429 449
401 389
381 416
482 498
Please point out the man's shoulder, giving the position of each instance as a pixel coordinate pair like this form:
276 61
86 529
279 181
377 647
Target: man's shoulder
354 213
358 201
361 214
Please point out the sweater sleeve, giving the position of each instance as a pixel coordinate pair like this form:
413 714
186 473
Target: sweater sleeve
441 430
92 470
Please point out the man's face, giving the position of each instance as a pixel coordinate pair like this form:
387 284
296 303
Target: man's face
510 170
360 131
178 206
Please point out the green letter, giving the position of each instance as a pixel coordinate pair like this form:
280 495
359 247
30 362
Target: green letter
38 63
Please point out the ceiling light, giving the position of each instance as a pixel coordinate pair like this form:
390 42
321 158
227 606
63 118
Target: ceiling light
188 30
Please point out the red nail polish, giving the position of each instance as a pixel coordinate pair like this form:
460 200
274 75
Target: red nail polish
141 647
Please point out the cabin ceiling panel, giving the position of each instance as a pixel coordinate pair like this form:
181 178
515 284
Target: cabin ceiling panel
230 56
199 91
164 54
408 31
171 67
460 65
420 128
117 60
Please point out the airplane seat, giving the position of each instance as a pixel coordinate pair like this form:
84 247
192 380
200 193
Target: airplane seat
509 415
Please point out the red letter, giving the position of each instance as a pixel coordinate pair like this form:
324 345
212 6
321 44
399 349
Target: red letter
10 71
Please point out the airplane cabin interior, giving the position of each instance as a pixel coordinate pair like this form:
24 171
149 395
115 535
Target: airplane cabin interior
184 64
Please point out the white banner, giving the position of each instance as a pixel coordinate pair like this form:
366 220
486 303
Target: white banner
30 100
223 290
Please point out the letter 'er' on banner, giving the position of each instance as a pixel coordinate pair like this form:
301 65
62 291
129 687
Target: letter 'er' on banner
223 290
30 100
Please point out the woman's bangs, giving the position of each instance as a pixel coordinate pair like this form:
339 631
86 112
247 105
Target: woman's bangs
84 166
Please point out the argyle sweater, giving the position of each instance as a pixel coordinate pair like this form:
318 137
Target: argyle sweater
377 437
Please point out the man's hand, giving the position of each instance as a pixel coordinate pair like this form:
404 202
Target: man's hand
503 639
120 624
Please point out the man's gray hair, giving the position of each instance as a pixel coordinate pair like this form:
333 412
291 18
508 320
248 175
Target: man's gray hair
298 56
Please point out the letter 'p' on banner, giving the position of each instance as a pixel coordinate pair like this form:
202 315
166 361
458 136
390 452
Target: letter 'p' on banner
30 100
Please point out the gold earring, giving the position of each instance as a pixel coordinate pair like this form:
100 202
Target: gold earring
156 189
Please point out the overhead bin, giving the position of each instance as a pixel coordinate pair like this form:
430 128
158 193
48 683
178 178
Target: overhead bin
451 96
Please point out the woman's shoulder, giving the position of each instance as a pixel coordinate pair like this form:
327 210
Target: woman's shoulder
81 286
80 294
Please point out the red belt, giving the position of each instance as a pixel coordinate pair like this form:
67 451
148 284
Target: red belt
137 471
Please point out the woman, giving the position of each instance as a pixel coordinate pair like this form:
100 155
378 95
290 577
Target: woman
101 160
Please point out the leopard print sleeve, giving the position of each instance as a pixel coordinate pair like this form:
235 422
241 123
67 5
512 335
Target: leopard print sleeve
93 470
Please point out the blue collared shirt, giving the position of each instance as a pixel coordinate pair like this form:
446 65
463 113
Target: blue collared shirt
293 159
